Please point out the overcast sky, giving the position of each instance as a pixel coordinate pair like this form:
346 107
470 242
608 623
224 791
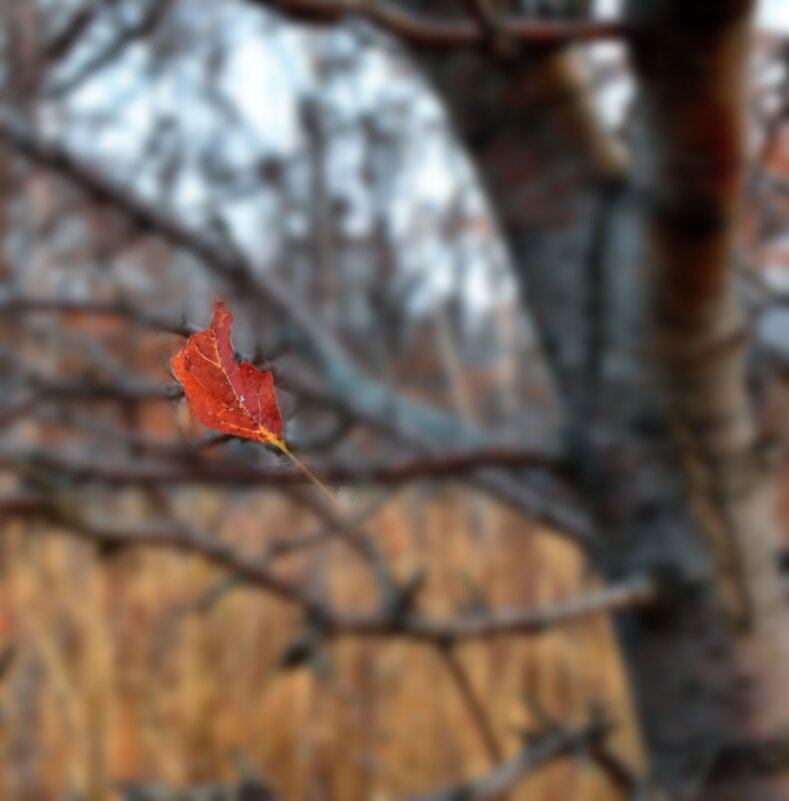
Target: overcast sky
265 72
775 13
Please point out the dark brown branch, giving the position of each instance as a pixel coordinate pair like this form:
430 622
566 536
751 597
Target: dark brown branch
14 304
279 548
223 261
125 37
548 747
556 744
21 504
360 396
479 468
422 31
634 594
127 391
344 387
435 464
63 41
620 773
764 756
224 472
476 709
19 408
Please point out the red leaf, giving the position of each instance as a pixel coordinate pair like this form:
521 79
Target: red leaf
222 394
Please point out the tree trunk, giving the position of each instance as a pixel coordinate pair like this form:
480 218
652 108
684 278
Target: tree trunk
633 291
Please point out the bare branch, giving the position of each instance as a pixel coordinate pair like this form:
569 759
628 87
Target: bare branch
544 504
633 594
286 546
63 40
225 472
553 745
476 709
360 396
548 747
125 37
14 304
423 31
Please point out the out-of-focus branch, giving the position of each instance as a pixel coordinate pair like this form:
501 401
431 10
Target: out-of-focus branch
548 503
360 395
476 709
545 504
63 41
399 621
344 385
555 743
13 411
547 454
223 261
21 504
283 547
125 36
550 746
225 472
423 31
14 304
79 390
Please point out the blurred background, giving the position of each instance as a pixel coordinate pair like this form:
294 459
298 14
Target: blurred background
156 156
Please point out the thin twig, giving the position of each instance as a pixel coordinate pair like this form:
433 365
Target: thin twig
476 710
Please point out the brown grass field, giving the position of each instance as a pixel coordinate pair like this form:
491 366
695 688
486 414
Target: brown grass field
119 672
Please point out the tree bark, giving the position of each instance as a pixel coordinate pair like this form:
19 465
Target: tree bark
633 292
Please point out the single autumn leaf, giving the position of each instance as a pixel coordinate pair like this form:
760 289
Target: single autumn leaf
222 394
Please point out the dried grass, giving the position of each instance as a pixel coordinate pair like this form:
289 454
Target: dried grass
117 677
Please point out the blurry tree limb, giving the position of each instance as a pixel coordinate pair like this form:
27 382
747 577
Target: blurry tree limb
60 44
225 472
544 749
633 594
16 304
547 504
284 547
360 395
344 385
476 708
125 36
544 504
435 33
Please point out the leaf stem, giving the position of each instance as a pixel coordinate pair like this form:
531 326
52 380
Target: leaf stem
310 474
